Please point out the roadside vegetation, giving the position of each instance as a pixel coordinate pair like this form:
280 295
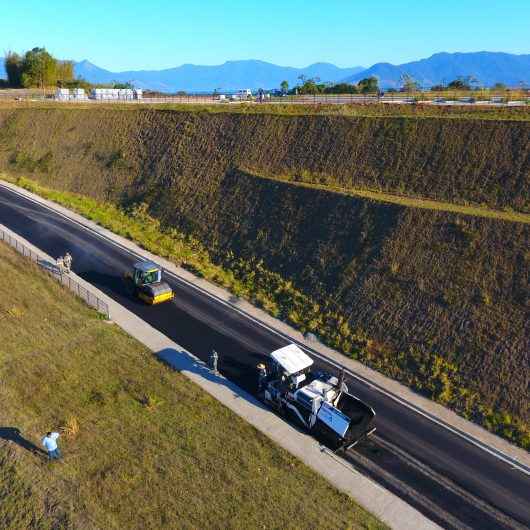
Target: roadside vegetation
143 446
37 68
432 373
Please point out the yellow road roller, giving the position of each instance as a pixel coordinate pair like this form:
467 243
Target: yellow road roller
146 282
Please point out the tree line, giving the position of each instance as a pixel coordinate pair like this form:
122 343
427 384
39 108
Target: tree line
312 85
36 68
370 85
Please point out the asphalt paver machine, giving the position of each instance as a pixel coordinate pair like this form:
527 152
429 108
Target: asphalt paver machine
317 401
146 282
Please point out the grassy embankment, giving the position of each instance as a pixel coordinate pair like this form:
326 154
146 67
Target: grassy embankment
434 375
143 446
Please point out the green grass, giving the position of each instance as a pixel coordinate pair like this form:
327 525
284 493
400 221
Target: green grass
151 450
430 373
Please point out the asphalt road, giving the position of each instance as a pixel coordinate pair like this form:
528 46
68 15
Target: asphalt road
200 323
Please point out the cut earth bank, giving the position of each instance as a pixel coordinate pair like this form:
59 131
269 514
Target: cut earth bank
432 298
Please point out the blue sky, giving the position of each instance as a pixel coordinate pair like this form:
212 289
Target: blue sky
153 34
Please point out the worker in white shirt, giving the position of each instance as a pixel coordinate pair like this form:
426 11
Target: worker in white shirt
67 260
50 444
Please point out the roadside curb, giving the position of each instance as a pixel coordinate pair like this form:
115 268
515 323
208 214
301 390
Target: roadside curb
389 508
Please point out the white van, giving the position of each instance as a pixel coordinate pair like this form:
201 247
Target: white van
244 94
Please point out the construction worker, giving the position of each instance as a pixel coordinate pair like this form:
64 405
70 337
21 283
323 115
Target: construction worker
50 444
214 360
262 376
67 260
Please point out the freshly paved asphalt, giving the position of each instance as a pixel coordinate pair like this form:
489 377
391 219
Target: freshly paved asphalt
200 323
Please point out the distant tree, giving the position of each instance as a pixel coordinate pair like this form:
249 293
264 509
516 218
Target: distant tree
65 71
408 83
368 85
284 85
499 86
37 68
13 67
341 88
311 86
458 84
118 84
463 82
438 88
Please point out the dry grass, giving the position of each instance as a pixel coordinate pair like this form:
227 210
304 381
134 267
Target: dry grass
143 446
459 161
297 109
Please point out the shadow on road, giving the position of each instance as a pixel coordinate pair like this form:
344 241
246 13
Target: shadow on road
182 361
107 282
12 434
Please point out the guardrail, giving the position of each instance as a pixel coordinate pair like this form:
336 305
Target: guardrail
57 272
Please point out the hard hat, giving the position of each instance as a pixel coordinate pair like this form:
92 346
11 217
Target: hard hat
260 366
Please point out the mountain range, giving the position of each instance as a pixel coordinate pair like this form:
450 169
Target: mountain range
487 67
231 75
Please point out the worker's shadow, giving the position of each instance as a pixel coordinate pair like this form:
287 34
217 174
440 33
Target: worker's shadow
183 361
12 434
51 267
